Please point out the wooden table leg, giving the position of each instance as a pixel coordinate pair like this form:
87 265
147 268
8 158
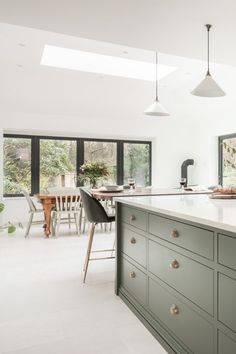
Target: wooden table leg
47 206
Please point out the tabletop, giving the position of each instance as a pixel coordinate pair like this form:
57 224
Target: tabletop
104 195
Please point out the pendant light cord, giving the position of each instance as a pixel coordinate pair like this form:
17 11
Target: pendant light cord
156 78
208 49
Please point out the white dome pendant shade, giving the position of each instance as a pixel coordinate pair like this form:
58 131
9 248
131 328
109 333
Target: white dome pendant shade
156 108
208 87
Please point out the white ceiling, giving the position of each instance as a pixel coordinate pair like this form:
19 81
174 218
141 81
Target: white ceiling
169 26
174 27
28 87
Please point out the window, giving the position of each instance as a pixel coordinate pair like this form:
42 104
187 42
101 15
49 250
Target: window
57 163
137 163
103 151
38 163
17 165
227 160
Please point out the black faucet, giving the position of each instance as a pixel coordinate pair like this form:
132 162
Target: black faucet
184 169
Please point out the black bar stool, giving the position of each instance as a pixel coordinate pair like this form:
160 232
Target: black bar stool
95 214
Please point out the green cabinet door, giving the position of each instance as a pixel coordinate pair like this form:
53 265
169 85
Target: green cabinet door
134 281
225 344
134 245
194 331
227 301
227 251
134 217
192 238
190 278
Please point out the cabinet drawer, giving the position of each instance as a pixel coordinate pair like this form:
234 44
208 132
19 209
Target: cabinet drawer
134 281
227 301
134 217
190 237
194 331
190 278
225 344
134 245
227 251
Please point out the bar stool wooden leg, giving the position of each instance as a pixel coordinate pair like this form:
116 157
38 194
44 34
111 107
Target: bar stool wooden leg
92 228
89 250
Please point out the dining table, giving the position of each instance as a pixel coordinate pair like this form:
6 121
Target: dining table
48 202
104 194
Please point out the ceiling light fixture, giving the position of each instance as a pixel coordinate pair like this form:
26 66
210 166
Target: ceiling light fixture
156 108
208 87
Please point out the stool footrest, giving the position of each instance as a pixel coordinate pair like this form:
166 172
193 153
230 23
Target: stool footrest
97 259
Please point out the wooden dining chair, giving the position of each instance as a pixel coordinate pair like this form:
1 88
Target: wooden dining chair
33 210
67 208
70 191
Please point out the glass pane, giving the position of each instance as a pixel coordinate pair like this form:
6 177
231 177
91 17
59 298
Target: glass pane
57 164
17 165
229 162
137 163
102 151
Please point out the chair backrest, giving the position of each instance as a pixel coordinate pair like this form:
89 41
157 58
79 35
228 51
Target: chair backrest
67 203
93 209
63 191
30 202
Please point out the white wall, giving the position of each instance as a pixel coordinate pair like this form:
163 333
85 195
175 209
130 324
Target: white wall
190 132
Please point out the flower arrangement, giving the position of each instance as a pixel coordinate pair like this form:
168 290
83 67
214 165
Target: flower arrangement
92 172
10 228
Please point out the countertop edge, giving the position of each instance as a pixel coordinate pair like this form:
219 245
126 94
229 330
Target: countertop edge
186 217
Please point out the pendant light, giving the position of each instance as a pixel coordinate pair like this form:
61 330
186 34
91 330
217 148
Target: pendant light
156 108
208 87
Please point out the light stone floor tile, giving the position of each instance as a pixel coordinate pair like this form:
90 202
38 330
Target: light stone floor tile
45 307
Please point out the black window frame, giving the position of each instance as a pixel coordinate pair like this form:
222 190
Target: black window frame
221 138
35 152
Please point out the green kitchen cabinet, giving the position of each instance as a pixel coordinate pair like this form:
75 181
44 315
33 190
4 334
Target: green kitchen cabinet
179 278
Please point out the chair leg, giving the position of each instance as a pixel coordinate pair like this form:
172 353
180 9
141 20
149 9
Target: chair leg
29 224
89 250
80 220
53 222
113 248
85 222
69 221
76 217
58 224
89 235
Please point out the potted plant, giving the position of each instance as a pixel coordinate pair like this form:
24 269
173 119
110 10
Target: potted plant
92 172
10 228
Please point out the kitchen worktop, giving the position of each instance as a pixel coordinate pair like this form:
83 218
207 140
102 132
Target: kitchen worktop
196 208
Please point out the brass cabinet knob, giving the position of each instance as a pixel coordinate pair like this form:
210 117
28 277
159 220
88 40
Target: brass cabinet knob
174 233
174 310
132 218
174 264
133 240
132 275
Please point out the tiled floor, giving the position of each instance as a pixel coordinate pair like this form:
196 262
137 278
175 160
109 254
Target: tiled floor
45 307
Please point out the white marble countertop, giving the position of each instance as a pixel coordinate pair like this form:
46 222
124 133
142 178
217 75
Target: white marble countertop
197 208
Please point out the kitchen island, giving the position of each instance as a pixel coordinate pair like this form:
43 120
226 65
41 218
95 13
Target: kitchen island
176 269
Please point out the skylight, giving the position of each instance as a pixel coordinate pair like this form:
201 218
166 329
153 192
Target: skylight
102 64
